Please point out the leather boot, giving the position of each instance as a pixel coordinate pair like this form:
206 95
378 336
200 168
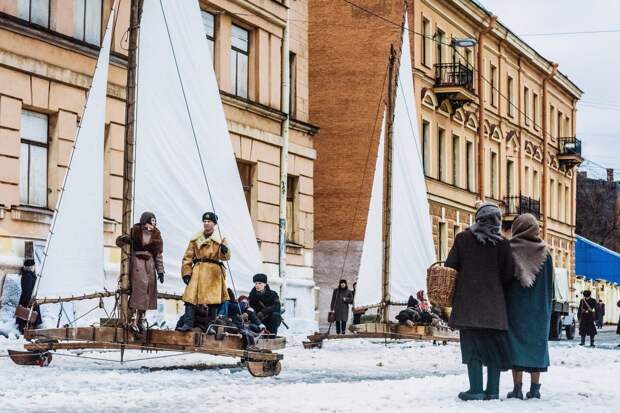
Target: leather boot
583 341
474 372
492 391
188 318
141 321
534 392
517 392
133 325
591 341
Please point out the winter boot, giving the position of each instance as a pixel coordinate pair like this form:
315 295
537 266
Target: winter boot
583 341
492 391
516 393
133 325
474 372
142 327
534 392
188 322
592 341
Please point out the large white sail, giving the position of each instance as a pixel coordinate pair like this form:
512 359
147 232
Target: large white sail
74 261
369 279
178 100
411 248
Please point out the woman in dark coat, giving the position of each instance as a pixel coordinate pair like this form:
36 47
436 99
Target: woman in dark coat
484 262
586 313
342 297
147 265
530 300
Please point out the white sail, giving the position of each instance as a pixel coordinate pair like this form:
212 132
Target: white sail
369 279
178 99
74 257
411 248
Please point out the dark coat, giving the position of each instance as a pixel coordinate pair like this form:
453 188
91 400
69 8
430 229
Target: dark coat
529 314
587 315
479 300
341 299
265 303
28 281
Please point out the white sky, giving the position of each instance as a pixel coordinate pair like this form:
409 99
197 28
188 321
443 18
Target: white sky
591 61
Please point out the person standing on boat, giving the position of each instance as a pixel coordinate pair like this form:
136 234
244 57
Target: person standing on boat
342 297
483 259
266 303
530 301
147 265
203 271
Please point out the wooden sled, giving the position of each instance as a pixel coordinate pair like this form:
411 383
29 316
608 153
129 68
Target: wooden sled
31 358
260 362
392 331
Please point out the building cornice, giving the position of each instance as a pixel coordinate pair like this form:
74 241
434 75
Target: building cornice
476 12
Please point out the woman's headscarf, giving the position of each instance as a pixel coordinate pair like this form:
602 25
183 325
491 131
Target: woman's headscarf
528 249
146 217
488 224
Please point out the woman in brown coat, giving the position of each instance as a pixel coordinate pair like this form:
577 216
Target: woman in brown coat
146 265
204 272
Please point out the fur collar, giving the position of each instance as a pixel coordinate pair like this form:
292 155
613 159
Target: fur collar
200 238
155 245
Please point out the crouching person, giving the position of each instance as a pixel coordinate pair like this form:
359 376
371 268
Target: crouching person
411 314
266 303
203 272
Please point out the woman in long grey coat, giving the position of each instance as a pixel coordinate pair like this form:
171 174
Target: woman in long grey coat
342 297
146 266
530 299
484 262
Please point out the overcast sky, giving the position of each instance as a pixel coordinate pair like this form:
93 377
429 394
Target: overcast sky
591 61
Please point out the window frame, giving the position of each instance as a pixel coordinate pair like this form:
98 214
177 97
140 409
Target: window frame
29 143
526 105
210 38
470 165
426 42
456 162
84 25
441 137
235 51
493 76
292 103
29 19
510 86
426 147
292 196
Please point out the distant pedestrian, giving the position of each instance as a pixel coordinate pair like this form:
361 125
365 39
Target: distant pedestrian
483 259
600 314
586 314
342 297
28 281
530 300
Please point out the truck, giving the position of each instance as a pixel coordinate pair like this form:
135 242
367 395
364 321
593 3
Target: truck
562 313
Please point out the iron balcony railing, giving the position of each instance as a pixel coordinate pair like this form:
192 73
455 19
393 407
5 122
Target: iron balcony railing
517 205
454 75
569 146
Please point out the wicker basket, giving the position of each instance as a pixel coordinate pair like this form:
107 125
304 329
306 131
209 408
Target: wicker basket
441 283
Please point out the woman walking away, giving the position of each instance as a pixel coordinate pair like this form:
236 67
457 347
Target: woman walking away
484 262
530 299
587 315
341 298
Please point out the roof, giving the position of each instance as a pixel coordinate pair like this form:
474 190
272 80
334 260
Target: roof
593 261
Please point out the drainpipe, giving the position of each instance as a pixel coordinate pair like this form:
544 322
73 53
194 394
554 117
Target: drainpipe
543 193
284 99
491 26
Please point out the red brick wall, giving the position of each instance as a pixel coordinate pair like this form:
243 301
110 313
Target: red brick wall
349 52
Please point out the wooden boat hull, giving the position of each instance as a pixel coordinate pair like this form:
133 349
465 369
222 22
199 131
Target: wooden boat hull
221 344
271 343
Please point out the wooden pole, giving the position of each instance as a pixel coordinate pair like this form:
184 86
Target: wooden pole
128 168
387 214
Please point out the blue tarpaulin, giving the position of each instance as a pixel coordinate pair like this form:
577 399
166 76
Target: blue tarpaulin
593 261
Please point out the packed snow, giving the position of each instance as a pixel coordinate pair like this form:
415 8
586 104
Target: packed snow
352 375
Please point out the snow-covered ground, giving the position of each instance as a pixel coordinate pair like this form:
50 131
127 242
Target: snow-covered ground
345 376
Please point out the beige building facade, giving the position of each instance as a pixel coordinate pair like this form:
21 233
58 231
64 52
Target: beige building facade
48 50
496 121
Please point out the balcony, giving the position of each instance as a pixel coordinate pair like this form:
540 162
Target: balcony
454 81
569 151
517 205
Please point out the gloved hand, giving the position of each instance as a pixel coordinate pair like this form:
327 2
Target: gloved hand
262 326
160 276
186 279
224 249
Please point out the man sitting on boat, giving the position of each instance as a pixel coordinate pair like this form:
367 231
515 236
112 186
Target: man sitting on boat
147 265
240 315
204 272
266 303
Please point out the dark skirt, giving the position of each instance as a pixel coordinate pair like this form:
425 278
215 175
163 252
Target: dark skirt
491 347
530 369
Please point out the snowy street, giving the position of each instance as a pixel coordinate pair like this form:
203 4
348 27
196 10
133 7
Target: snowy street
345 376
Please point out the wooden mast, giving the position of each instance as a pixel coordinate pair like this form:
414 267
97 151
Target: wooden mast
128 168
387 215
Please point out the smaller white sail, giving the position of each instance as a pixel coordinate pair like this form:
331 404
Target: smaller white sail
412 248
369 280
74 261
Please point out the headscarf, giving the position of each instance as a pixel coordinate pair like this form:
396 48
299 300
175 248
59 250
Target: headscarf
424 306
488 223
146 217
528 249
346 285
